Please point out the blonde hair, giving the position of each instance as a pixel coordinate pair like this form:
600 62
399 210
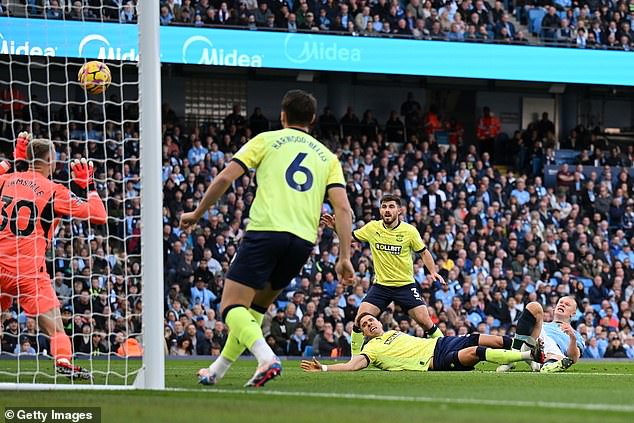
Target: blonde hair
39 150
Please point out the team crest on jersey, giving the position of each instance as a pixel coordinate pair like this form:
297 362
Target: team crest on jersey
392 249
399 238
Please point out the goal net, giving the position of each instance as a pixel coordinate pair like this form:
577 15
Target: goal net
95 269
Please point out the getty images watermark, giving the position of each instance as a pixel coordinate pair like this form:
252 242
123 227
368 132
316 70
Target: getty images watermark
52 414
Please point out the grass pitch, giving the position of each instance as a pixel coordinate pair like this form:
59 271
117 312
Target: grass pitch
588 392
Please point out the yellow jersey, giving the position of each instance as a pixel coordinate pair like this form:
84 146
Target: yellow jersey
392 251
395 351
294 172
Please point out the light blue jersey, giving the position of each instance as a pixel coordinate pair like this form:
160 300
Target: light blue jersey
553 331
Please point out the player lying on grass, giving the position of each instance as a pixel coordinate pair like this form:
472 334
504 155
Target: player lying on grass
392 243
31 207
562 344
396 351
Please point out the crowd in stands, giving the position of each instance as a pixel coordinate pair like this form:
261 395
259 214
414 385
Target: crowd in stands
587 24
95 269
501 238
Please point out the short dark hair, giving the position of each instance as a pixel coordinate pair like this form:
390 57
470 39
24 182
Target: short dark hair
299 106
361 316
391 197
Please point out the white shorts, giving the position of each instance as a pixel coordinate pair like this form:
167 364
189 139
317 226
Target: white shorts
551 347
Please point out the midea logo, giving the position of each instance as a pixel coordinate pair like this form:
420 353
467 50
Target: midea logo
303 48
24 49
105 50
200 50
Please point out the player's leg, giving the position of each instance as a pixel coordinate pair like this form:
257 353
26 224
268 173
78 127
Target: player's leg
529 326
494 341
233 349
555 361
280 257
410 298
472 355
38 298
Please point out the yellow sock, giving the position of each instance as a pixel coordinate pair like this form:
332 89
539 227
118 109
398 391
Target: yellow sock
233 348
356 342
502 356
243 326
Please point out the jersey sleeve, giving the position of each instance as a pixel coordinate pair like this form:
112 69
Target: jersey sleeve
418 246
251 154
364 233
67 204
335 175
370 352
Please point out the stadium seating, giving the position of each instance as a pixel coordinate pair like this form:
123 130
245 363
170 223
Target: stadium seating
408 18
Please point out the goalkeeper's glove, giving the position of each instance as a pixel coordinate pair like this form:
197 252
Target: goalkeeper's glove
20 145
82 172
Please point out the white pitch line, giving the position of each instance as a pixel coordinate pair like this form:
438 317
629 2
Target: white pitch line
492 372
399 398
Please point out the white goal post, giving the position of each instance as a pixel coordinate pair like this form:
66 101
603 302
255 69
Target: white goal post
115 372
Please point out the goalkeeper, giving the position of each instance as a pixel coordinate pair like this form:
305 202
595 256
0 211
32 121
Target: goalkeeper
396 351
31 207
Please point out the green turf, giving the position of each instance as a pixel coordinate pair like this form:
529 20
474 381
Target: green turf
372 395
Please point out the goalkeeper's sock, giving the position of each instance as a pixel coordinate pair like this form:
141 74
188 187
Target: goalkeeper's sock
233 349
60 347
434 332
248 332
501 356
356 343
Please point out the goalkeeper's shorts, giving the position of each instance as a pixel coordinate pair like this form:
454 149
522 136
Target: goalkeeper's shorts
34 291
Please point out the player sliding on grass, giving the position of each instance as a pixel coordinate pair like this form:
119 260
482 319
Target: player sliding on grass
562 344
396 351
295 172
392 243
31 207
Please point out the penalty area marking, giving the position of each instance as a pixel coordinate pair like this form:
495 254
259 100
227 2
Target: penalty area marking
399 398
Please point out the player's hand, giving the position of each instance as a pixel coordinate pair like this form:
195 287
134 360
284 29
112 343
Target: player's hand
328 220
188 220
20 145
82 172
311 366
345 271
436 277
567 329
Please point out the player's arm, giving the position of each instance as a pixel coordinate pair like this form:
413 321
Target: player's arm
339 200
330 221
358 362
66 204
428 260
218 187
19 154
573 351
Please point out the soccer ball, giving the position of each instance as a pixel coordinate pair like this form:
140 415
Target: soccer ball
95 77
